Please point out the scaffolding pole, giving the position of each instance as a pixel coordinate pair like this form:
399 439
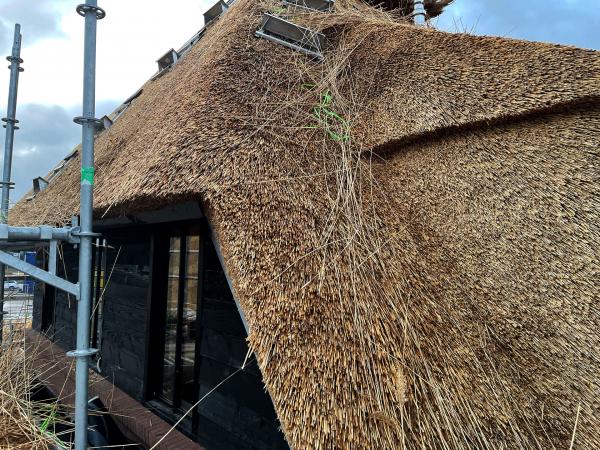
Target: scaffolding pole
92 13
11 121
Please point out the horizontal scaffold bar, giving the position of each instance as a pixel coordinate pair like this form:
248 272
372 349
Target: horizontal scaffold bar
41 233
39 274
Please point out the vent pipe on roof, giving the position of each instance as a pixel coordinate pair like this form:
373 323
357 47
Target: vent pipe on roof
419 14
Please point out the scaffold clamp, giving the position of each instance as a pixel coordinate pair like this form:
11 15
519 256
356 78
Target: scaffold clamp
83 9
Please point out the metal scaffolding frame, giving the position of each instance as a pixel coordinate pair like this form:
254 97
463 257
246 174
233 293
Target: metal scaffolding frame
11 126
80 232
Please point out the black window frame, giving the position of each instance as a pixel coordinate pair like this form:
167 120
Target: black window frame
193 425
161 246
99 280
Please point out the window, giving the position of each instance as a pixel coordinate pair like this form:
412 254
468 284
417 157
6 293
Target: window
178 386
167 60
202 347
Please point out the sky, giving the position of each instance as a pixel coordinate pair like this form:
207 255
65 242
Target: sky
132 37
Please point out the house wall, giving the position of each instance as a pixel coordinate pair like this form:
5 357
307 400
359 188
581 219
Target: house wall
122 356
135 420
126 310
64 311
38 297
238 414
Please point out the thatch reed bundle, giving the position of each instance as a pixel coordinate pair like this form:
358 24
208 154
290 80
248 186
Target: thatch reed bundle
20 418
411 226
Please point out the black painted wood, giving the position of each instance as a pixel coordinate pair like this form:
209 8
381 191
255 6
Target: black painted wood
42 316
125 304
64 330
239 413
158 297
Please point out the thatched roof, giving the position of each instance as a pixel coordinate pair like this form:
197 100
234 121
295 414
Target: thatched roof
411 226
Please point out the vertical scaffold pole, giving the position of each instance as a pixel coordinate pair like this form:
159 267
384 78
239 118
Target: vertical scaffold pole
11 126
92 13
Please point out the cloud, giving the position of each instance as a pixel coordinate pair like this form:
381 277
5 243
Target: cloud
41 19
569 22
47 134
4 36
105 107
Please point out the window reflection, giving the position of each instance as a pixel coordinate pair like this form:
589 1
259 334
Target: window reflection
188 345
170 349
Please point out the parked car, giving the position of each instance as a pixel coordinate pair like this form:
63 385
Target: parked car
12 285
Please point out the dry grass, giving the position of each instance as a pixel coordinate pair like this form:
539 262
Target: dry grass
20 418
14 330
